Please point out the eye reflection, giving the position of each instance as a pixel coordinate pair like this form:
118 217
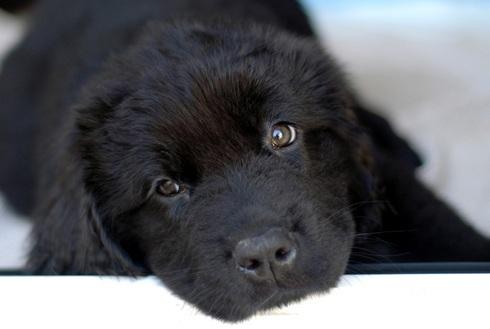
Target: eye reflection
169 188
282 135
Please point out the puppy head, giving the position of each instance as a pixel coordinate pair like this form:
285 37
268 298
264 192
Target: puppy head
227 162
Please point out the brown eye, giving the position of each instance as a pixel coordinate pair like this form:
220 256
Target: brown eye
282 135
168 188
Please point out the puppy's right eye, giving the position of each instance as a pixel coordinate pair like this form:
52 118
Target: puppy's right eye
169 188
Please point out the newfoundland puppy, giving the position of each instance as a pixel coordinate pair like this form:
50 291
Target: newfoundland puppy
211 143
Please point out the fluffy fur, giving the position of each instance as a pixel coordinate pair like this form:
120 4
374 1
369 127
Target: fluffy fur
102 102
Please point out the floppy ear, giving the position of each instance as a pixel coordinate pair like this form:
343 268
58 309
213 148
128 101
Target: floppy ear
384 139
364 201
70 235
374 140
415 216
364 188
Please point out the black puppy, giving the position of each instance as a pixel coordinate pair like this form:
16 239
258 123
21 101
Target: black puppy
211 143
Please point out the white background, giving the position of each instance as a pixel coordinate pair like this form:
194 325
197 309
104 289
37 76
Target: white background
369 301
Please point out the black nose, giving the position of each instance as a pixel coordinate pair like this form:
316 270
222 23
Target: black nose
266 255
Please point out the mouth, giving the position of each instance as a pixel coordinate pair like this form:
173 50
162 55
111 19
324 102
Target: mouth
276 298
252 299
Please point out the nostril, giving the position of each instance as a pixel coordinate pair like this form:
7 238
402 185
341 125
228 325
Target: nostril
282 253
250 264
260 257
285 255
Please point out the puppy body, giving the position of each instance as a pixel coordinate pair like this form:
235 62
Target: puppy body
104 102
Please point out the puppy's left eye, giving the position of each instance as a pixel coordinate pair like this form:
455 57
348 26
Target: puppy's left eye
282 135
169 188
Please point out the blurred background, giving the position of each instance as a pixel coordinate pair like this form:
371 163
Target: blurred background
425 65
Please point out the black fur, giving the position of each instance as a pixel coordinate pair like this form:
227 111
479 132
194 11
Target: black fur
14 5
101 102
